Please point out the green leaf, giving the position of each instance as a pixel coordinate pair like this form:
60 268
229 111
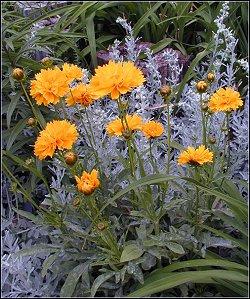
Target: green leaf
144 19
175 247
68 288
29 216
48 262
14 101
148 180
15 131
131 252
36 249
217 232
99 281
202 263
90 29
164 281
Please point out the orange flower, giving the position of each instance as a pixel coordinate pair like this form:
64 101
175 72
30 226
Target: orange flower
58 134
79 94
115 79
152 129
225 100
195 156
49 86
118 126
72 72
88 182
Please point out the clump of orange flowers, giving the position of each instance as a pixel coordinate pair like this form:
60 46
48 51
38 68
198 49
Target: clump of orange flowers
120 126
152 129
88 182
225 100
58 134
80 95
51 84
115 79
195 156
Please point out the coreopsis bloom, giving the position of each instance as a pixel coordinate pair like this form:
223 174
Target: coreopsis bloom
225 100
58 134
152 129
119 127
49 86
195 156
115 79
79 94
72 72
88 182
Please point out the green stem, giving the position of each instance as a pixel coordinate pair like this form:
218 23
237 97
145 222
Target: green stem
204 138
196 220
151 156
228 139
31 106
24 192
63 109
90 127
169 138
89 138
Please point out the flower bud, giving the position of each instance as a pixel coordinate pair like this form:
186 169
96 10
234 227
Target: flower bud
165 90
224 129
124 103
126 134
70 158
46 61
204 107
101 226
201 86
76 201
212 140
210 77
31 122
29 162
18 74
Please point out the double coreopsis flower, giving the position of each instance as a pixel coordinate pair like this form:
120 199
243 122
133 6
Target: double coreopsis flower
115 79
80 95
120 126
88 182
195 156
49 86
225 100
58 134
152 129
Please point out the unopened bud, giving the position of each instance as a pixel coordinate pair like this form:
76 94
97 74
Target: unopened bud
31 122
18 74
126 134
224 129
101 226
47 61
201 86
165 90
212 139
29 162
70 158
204 107
124 103
210 77
76 201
